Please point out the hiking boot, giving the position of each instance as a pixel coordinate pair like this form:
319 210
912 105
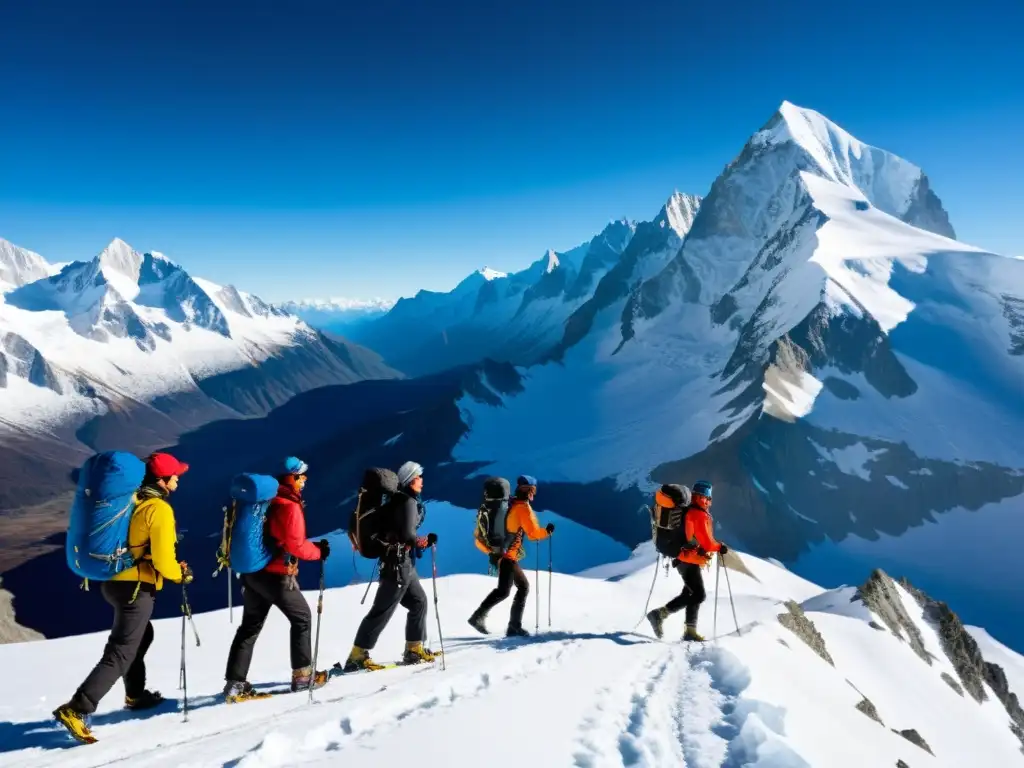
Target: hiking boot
516 631
75 723
360 659
236 691
690 635
301 679
145 700
476 621
415 653
657 618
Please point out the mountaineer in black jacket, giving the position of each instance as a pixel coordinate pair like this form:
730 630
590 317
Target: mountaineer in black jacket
399 582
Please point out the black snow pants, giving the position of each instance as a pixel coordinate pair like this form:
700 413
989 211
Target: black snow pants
693 593
509 572
262 591
125 652
399 586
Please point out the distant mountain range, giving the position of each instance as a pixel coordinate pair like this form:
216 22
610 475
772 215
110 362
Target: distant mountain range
337 315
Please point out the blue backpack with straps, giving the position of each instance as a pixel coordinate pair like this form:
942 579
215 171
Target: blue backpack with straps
243 546
101 513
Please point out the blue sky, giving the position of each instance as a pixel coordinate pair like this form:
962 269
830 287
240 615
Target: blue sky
315 149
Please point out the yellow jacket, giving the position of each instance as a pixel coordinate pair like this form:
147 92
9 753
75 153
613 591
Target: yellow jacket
153 537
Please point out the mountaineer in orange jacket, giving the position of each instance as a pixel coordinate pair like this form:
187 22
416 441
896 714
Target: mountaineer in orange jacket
696 553
520 521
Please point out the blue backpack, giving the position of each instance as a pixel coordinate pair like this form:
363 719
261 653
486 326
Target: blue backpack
97 535
243 545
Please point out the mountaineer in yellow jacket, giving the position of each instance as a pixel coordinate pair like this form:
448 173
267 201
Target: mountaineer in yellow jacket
520 521
152 538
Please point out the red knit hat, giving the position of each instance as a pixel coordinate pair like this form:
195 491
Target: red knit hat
165 465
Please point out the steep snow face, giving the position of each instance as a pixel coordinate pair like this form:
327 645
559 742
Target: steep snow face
19 266
596 693
516 317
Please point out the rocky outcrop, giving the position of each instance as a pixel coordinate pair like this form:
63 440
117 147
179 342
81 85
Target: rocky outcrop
901 764
967 660
948 678
879 594
865 706
796 621
959 646
914 738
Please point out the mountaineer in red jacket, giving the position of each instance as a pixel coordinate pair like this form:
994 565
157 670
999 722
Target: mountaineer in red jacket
276 585
696 553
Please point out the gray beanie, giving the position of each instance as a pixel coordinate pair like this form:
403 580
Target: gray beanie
408 472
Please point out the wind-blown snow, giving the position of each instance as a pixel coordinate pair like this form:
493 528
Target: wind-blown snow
589 692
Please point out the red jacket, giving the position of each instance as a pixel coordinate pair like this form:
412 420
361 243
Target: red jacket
286 529
697 527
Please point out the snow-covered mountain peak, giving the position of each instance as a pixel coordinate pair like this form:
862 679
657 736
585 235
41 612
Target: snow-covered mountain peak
19 266
491 274
120 258
679 212
552 262
890 183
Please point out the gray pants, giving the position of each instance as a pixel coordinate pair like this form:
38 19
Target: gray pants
405 591
125 652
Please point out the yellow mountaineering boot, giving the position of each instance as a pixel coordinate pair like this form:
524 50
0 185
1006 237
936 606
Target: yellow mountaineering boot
415 653
690 635
75 724
360 659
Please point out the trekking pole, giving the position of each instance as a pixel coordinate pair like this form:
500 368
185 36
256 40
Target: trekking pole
657 565
183 678
731 602
536 597
718 571
231 608
187 609
370 582
316 647
433 578
550 576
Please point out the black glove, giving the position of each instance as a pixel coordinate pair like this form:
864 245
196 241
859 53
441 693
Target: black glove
551 528
724 550
431 539
325 548
186 573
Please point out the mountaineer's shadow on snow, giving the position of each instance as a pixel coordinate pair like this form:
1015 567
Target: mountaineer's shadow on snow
502 643
47 734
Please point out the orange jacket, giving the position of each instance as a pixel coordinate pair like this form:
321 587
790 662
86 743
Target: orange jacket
698 526
519 521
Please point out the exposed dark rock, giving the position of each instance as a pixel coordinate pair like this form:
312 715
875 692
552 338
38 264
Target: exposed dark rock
959 646
842 389
901 764
996 679
879 594
914 738
865 706
1013 311
796 621
965 654
953 683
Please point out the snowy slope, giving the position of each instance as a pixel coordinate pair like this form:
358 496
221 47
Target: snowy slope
587 692
820 346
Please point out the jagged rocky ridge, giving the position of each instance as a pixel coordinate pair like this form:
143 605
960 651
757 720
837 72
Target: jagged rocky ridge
881 596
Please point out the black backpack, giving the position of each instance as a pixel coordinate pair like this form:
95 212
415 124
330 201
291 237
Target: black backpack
371 521
667 531
490 517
